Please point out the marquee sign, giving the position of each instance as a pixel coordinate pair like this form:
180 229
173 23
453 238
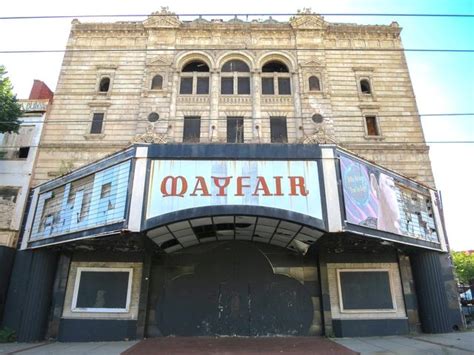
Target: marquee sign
92 201
182 184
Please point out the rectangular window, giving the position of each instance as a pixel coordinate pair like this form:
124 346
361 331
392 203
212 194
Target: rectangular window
284 86
23 152
102 290
97 123
278 130
235 129
365 290
227 86
186 87
372 126
202 86
243 86
268 86
192 129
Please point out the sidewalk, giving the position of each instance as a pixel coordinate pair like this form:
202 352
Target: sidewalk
452 343
458 343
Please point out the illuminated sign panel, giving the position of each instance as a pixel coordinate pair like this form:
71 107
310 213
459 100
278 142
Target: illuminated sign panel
381 201
95 200
182 184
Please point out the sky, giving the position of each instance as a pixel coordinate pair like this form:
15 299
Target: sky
443 82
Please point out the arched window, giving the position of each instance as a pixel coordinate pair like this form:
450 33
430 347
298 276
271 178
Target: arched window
365 86
157 82
104 84
314 84
235 78
275 79
195 78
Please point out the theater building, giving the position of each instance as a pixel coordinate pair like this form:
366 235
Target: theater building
230 177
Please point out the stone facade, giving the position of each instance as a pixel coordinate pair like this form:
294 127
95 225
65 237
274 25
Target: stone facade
130 54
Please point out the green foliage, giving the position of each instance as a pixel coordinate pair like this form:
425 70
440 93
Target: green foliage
7 335
10 110
464 265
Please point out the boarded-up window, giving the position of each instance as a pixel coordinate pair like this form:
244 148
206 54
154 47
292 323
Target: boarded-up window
268 86
365 290
202 86
97 123
186 87
278 130
314 84
243 86
235 129
372 126
157 82
102 290
284 86
227 86
192 129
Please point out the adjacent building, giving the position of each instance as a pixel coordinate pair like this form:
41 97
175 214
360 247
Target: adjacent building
231 177
18 153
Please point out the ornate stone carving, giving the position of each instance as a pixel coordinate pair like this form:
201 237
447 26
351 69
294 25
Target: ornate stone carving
319 136
151 136
162 19
306 19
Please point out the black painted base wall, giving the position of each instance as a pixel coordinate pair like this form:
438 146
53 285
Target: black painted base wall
97 330
7 255
369 327
29 294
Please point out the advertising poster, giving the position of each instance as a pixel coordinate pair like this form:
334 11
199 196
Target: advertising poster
377 200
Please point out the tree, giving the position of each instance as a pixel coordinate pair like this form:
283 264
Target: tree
10 110
464 265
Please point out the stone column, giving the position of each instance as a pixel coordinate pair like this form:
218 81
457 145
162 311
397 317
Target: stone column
214 105
297 120
172 113
256 107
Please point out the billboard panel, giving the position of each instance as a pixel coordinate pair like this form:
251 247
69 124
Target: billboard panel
380 200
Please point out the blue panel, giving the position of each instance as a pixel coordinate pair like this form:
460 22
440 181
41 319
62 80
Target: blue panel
92 201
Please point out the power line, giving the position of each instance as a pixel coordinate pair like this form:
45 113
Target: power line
432 15
55 121
146 50
340 143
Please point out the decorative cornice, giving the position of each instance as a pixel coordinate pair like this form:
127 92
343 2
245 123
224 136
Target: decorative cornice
162 19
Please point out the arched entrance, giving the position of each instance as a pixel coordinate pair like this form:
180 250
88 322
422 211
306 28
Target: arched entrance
234 288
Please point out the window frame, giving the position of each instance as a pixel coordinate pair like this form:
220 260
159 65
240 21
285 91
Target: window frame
92 123
377 126
162 82
366 310
238 133
371 87
190 118
77 282
235 75
274 118
318 77
276 76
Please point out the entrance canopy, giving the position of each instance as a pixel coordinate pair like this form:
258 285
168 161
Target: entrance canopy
185 194
178 235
